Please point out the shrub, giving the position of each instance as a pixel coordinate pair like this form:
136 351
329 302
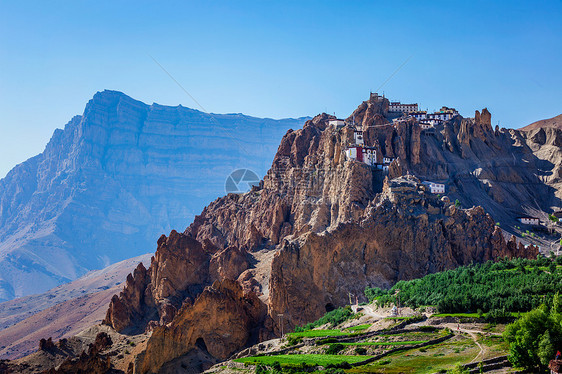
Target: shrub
428 328
292 340
326 341
261 369
360 351
334 348
341 365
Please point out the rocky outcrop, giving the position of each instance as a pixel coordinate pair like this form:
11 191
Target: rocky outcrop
114 179
92 361
319 227
222 320
314 273
372 112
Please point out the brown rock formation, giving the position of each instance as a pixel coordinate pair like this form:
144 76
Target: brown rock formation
314 274
330 227
221 321
178 271
371 112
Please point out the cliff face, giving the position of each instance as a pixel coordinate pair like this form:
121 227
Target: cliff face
222 319
404 233
317 228
115 178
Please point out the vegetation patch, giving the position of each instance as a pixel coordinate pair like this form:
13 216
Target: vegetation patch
359 328
309 359
412 342
334 318
500 288
317 333
443 356
535 338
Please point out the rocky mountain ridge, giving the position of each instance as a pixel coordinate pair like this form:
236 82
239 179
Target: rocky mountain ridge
114 179
320 227
333 225
554 122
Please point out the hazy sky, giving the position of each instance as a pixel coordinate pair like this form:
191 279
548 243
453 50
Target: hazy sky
274 59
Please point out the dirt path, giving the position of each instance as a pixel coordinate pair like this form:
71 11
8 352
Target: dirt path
368 310
472 333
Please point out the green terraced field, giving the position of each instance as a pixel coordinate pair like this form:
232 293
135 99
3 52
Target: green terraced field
317 333
309 359
359 328
388 343
442 356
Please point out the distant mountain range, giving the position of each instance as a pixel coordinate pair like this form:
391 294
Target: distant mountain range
115 179
62 311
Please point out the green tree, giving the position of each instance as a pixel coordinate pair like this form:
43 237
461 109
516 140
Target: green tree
533 338
555 310
457 203
261 369
546 349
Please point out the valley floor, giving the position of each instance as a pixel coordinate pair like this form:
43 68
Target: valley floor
373 341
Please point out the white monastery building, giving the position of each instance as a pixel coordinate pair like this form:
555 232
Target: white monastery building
435 187
398 107
367 155
337 123
529 221
358 137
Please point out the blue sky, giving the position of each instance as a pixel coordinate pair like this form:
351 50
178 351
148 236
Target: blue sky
274 59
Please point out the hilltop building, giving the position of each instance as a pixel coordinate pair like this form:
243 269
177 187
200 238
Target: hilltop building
526 220
358 137
434 187
428 120
337 123
398 107
364 154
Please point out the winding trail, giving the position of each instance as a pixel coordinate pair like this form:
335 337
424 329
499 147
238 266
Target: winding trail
472 334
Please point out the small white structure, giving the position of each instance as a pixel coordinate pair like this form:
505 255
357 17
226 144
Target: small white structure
354 153
358 137
398 107
337 123
370 156
435 187
387 160
428 120
419 114
367 155
533 221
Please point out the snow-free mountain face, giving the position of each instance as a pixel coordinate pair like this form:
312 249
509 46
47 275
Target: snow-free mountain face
116 178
